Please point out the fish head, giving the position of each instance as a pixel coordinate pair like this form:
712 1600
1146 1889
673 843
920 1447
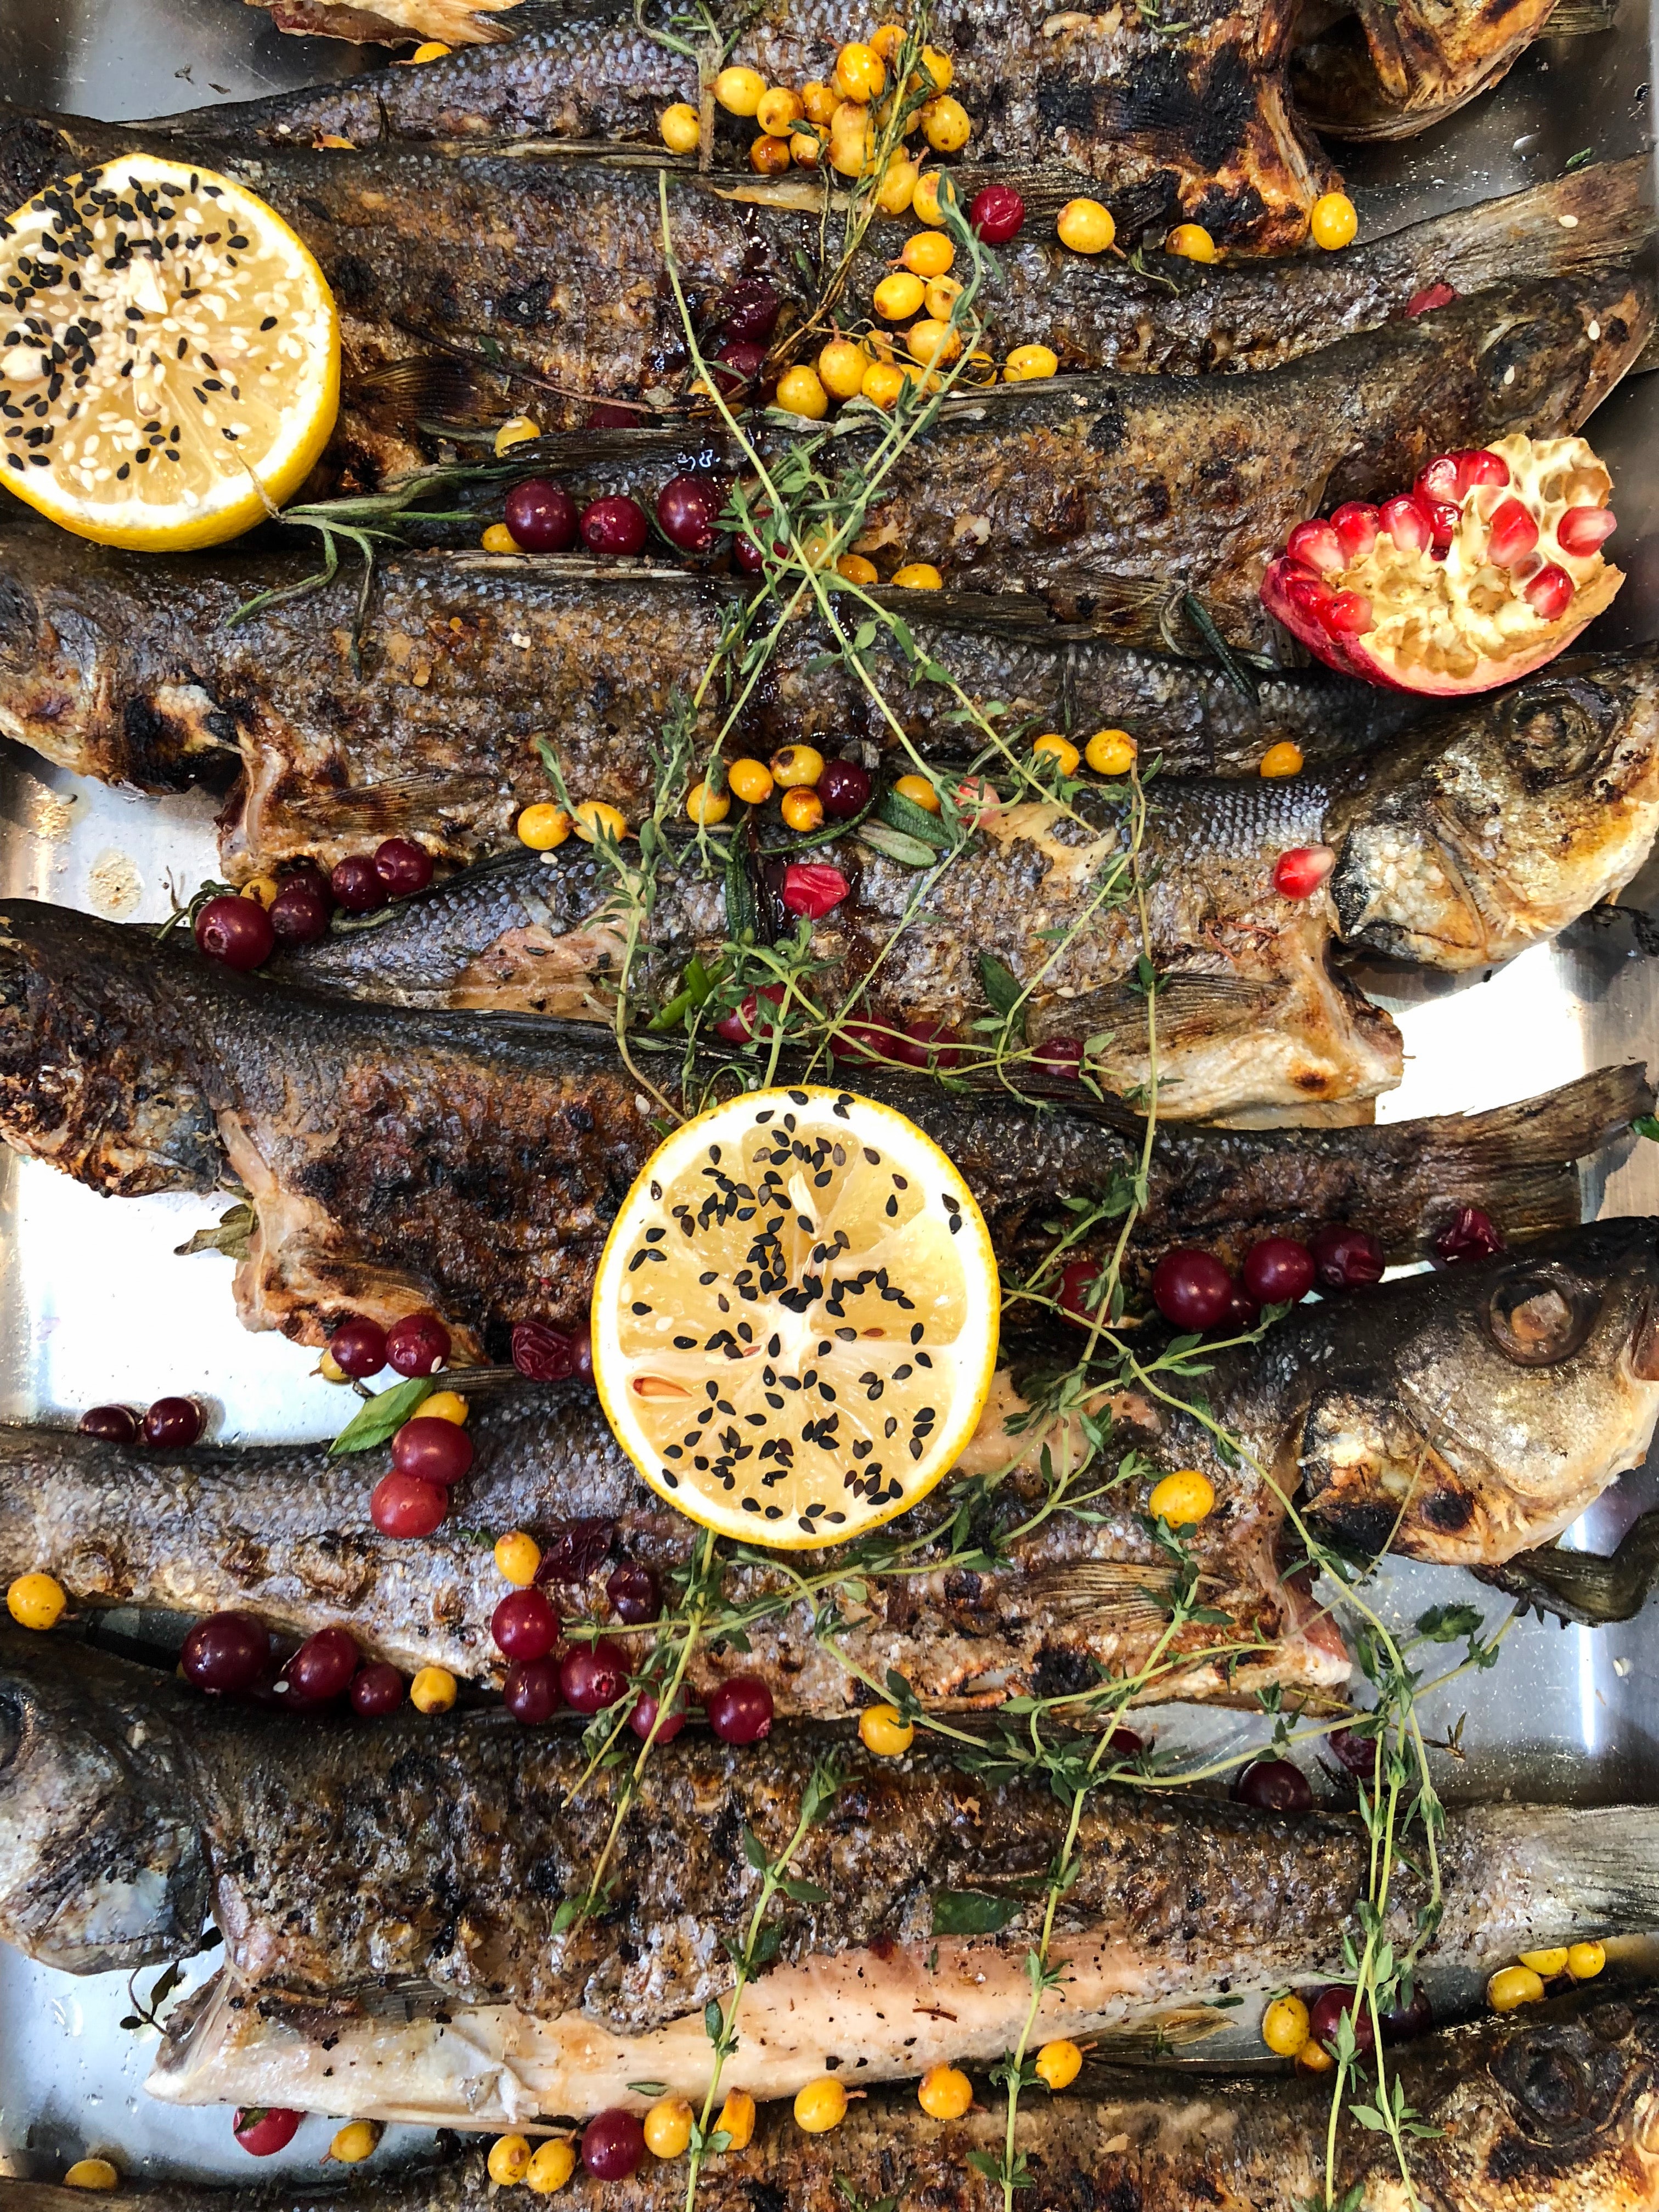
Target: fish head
1475 842
1466 1415
101 1865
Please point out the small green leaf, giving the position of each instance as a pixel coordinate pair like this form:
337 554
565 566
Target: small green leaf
971 1912
903 814
1647 1125
1448 1623
383 1415
1001 987
649 2088
714 2021
893 845
754 1850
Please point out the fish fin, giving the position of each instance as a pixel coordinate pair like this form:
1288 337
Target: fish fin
402 391
1084 1591
1584 1588
1581 18
392 804
1168 2030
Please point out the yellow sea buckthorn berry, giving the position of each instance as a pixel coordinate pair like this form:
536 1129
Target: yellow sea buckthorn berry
668 2127
681 127
919 576
769 157
1059 2062
1334 222
1585 1960
1183 1499
853 569
97 2172
554 2163
593 819
704 805
1282 759
924 200
779 110
941 296
797 764
262 891
331 1370
519 432
898 184
932 343
820 2105
979 367
433 1690
800 393
736 2120
899 295
36 1600
928 254
1285 2025
944 2093
751 781
939 67
1549 1963
739 91
1086 226
888 42
946 125
852 139
444 1405
1190 241
543 826
881 1731
920 791
509 2155
883 383
1110 752
802 810
924 380
498 538
841 368
861 73
1314 2058
820 101
517 1557
356 2141
1027 364
806 149
1052 746
431 50
1512 1986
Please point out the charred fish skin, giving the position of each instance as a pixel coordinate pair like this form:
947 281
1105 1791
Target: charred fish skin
1389 72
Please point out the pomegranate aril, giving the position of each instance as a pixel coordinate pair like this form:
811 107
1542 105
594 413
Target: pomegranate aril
1311 593
1298 873
418 1345
1471 1235
1317 544
812 888
1583 530
1438 483
1191 1288
1406 520
1355 524
1549 594
379 1690
1431 297
322 1668
1512 533
1349 613
1477 465
1445 515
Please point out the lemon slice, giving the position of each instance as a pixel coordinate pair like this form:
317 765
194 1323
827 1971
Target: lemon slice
795 1318
169 355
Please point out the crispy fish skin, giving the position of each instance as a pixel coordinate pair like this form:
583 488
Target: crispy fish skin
1388 68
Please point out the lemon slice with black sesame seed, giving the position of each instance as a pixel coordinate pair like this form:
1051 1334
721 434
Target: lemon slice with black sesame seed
169 355
795 1318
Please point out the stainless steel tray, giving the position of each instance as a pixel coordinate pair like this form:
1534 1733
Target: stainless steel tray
93 1305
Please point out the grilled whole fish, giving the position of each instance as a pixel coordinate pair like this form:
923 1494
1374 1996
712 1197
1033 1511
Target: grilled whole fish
560 263
1462 843
397 1159
1550 2104
1502 1455
344 1863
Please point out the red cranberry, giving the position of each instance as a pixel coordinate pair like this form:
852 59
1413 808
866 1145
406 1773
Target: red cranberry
617 525
404 1505
688 512
432 1450
751 311
740 1710
356 885
1061 1057
1242 1311
322 1668
997 213
869 1041
116 1425
844 788
613 2143
606 416
524 1625
541 513
552 1355
1124 1743
264 2130
931 1044
592 1676
418 1345
237 931
1191 1288
357 1347
747 555
531 1692
1275 1786
1355 1752
634 1594
1405 2023
1326 2011
643 1717
1075 1278
739 1027
228 1652
1277 1272
1470 1236
1345 1258
300 910
403 865
736 364
174 1422
379 1690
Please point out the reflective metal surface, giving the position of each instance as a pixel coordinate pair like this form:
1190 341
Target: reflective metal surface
95 1306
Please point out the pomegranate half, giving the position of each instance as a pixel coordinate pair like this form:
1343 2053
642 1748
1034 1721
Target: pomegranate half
1486 568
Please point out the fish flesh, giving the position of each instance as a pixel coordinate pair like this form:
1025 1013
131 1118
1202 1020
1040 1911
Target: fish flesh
558 265
396 1160
1552 2101
426 1855
1502 1456
1463 841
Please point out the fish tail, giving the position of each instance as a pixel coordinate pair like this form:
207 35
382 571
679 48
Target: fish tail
1592 216
1601 1863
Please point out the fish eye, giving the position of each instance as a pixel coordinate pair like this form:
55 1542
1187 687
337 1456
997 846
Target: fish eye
1562 2085
1557 729
1540 1315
